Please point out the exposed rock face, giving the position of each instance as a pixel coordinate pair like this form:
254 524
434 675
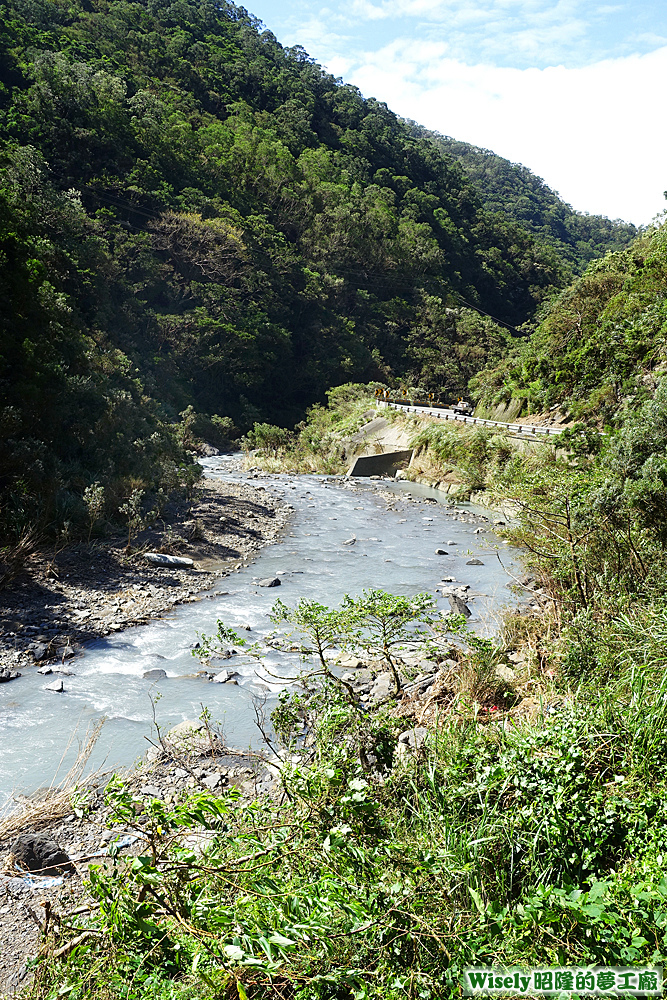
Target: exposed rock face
37 852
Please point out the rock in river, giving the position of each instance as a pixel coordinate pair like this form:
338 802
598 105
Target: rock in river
474 562
57 687
458 606
270 581
8 675
226 677
156 674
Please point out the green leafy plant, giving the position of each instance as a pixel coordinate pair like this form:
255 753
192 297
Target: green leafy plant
133 513
94 499
382 623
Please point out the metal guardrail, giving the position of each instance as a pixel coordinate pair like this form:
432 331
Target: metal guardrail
528 430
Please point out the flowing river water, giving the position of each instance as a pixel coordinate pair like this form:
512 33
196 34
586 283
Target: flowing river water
394 550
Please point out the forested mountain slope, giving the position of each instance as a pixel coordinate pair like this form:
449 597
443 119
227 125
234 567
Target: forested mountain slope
518 193
260 219
191 214
601 347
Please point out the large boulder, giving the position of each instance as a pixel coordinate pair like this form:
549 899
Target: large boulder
383 687
185 730
226 677
38 853
270 581
411 740
350 661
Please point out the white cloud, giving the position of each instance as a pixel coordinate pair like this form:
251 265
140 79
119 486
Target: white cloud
469 27
594 133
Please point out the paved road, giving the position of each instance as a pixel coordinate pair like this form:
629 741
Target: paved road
525 430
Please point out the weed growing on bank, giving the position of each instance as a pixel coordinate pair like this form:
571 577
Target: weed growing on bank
525 845
379 873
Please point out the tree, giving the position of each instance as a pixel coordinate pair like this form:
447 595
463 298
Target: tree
382 622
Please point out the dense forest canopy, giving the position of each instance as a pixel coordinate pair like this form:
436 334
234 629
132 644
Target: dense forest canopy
519 194
600 350
193 215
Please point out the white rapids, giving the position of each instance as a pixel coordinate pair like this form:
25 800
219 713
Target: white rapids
394 549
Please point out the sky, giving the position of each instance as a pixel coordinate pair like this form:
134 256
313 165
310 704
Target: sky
573 89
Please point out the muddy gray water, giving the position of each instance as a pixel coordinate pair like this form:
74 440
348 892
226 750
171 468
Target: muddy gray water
394 550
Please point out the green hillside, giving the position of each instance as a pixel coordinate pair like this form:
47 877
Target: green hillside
602 344
191 214
519 194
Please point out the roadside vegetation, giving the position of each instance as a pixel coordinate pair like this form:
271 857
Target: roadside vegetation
599 348
323 441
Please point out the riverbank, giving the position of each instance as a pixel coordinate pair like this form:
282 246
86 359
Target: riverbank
44 916
84 828
331 548
58 604
383 855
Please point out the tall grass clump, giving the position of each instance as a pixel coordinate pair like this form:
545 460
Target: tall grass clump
471 457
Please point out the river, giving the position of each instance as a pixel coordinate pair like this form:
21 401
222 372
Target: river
394 550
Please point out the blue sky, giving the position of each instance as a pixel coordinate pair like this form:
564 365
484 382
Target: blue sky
574 89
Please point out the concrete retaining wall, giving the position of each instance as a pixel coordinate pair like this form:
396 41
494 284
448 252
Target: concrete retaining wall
378 465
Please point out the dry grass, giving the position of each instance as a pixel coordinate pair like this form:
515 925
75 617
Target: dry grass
37 811
14 557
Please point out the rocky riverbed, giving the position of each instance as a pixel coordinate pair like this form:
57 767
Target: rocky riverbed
99 591
58 604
